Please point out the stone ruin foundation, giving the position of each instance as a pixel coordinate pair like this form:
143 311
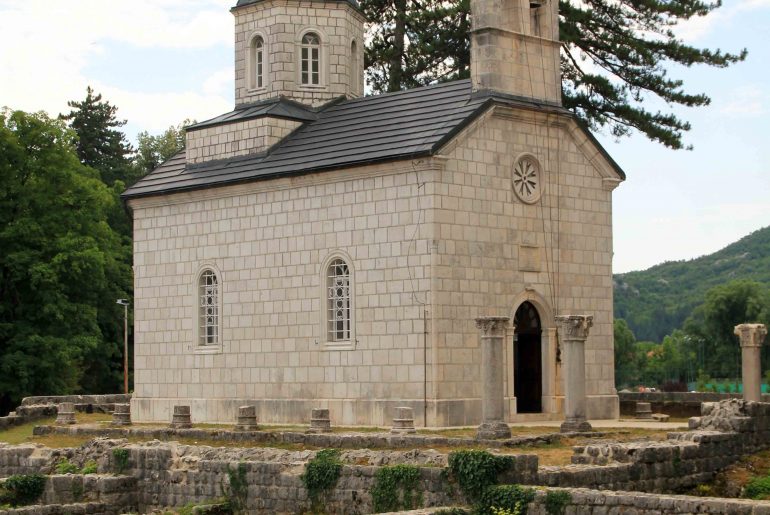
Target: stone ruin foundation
604 477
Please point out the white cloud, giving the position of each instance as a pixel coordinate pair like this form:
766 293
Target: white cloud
746 102
701 26
220 83
47 44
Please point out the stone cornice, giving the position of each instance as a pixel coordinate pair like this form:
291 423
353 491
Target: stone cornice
492 326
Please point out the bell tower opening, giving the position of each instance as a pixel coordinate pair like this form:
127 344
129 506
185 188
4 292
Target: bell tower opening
527 360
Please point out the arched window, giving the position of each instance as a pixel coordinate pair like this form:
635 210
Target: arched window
257 63
354 72
310 59
208 308
338 302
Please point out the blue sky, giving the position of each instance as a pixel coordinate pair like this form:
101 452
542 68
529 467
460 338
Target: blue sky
162 61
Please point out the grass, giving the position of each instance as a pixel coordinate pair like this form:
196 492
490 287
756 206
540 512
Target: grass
23 433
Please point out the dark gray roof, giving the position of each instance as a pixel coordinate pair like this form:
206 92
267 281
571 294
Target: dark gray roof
389 127
275 108
241 3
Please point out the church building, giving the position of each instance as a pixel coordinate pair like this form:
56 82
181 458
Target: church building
318 248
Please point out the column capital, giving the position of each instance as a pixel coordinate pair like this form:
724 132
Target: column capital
574 327
492 326
751 335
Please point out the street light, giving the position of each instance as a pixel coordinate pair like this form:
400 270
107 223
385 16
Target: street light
124 303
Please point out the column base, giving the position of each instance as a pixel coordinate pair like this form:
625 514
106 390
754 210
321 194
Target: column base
493 431
575 425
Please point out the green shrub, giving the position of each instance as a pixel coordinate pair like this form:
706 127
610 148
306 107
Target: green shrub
20 490
394 487
91 467
758 488
507 497
321 475
120 460
452 511
64 466
556 502
475 471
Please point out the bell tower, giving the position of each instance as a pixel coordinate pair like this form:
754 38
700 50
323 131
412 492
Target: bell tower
515 48
308 51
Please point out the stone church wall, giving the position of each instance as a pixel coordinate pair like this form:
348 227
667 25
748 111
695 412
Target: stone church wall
269 241
236 139
494 251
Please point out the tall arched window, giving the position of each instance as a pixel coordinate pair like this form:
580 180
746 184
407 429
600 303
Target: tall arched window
310 59
208 308
338 302
355 80
257 63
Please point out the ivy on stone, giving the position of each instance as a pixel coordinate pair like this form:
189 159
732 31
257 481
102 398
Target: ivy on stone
394 488
321 475
475 471
556 502
22 489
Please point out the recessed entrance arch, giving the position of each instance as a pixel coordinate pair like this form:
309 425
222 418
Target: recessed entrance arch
528 359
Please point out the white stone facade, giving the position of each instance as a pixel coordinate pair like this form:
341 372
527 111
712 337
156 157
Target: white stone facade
281 24
442 239
236 139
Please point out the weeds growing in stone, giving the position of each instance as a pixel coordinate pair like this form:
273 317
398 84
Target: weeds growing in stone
120 460
556 502
237 488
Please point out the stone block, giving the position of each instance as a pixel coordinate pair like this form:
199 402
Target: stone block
65 413
122 415
320 421
403 422
181 418
247 419
643 411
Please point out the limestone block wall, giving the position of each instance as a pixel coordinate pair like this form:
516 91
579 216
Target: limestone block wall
281 23
269 242
494 251
236 139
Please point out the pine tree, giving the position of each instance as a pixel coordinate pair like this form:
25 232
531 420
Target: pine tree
100 144
628 42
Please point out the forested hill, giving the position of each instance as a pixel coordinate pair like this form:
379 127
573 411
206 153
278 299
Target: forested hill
656 301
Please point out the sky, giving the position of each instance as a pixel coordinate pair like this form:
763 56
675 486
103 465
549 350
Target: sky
163 61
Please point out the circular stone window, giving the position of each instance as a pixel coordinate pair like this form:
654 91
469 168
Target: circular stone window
527 179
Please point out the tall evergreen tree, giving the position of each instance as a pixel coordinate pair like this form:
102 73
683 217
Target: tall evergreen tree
61 266
614 56
101 145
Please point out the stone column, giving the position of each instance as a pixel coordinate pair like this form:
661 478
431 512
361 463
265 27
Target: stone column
492 393
122 415
65 413
573 332
181 418
752 336
320 421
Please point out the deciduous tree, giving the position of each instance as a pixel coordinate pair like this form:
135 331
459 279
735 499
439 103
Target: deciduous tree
61 265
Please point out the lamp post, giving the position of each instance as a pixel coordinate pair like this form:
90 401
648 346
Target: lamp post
124 303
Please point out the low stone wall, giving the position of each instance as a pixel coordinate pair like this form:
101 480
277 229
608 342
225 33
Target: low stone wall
35 408
172 474
727 431
676 404
90 508
594 502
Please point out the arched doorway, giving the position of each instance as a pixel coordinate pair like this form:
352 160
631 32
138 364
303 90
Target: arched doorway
527 360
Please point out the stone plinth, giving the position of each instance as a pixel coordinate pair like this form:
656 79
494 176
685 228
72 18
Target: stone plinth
403 422
122 415
643 410
320 421
247 419
752 336
65 413
492 393
573 333
181 418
